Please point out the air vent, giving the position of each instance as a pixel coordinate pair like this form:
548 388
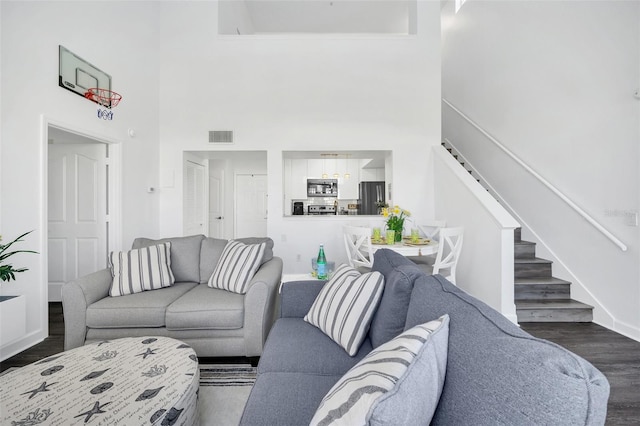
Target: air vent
221 136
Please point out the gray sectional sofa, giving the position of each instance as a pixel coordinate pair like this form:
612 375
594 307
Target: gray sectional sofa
214 322
495 374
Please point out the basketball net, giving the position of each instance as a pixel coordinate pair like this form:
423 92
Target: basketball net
106 98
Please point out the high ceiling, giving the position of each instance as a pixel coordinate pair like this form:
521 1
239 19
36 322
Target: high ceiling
318 17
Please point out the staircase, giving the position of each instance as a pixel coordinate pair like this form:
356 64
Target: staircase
539 297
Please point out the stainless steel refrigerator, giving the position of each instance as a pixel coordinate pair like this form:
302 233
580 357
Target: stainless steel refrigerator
371 196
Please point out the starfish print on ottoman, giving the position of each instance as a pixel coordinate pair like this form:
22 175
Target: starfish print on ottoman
42 388
147 353
97 409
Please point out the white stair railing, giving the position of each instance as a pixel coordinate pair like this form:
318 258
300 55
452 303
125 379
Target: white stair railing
540 178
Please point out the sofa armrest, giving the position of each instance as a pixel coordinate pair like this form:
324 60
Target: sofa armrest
259 305
297 297
77 295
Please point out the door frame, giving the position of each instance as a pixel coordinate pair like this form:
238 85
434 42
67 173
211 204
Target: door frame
114 192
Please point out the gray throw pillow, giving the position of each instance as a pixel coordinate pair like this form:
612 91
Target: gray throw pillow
399 383
344 307
146 268
237 266
185 255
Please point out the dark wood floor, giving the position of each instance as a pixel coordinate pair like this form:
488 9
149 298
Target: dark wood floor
618 357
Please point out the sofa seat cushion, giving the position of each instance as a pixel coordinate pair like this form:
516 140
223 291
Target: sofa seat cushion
294 345
206 308
285 399
146 309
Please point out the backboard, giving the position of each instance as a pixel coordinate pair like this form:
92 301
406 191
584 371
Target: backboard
77 75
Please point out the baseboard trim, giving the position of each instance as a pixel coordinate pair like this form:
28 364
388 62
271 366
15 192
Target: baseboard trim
23 344
55 292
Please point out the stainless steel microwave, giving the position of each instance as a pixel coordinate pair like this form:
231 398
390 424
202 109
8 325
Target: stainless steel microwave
322 187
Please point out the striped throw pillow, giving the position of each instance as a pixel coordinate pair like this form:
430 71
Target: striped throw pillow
344 307
237 266
398 383
146 268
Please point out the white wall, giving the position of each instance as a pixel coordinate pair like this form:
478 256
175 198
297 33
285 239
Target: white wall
554 83
30 35
485 267
284 93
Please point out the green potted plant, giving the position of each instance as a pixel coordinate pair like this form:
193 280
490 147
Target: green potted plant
7 270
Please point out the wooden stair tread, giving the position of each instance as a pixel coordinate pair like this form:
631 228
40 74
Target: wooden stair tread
540 281
532 260
551 304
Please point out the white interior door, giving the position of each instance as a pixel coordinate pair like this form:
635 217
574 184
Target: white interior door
77 212
195 211
251 206
216 203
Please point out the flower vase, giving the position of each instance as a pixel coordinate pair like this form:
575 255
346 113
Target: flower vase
398 235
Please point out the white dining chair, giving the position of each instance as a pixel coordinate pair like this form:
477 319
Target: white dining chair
357 241
449 249
430 230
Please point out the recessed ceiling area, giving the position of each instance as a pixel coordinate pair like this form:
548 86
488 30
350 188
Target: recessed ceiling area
273 17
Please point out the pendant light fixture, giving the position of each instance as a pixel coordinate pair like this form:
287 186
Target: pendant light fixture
347 175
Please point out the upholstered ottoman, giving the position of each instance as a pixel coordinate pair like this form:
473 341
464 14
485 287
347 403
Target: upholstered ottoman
130 381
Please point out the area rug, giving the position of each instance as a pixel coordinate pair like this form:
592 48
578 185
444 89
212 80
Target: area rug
224 390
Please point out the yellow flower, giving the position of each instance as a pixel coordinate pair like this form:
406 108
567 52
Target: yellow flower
396 210
385 212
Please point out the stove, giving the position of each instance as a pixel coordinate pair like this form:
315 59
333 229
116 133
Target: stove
314 209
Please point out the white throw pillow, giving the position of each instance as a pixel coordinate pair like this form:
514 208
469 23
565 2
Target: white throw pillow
146 268
398 383
237 266
345 306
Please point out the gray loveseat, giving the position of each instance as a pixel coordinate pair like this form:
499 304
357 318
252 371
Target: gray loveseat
495 374
214 322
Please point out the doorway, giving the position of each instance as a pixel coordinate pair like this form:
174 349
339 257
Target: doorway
195 198
235 205
251 205
81 204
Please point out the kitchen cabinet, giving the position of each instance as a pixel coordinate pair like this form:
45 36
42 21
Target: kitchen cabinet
298 179
372 174
315 168
348 188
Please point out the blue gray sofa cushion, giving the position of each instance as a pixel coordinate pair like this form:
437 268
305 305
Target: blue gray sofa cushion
389 319
311 351
499 374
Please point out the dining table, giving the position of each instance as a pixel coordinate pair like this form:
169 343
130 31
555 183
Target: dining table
407 248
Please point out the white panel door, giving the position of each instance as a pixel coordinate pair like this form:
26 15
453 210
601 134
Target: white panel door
216 203
251 206
77 212
195 211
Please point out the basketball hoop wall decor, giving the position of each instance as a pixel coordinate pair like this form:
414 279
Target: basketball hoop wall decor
105 97
84 79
